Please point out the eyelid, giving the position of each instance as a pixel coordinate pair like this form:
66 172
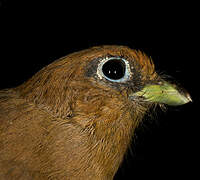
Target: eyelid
125 78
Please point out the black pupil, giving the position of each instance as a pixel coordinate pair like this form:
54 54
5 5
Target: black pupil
114 69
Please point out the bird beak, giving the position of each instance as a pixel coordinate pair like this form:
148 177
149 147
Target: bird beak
163 92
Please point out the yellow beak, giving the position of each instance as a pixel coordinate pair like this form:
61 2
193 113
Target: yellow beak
165 93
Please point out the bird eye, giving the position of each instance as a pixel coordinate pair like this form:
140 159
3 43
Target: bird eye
114 69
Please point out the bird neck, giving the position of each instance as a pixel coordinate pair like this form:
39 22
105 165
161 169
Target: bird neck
106 146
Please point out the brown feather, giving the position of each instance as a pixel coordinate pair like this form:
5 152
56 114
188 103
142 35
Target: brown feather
61 124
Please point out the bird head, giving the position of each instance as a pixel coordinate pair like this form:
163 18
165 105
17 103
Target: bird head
98 77
102 93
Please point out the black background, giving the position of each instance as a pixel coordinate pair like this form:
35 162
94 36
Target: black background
34 34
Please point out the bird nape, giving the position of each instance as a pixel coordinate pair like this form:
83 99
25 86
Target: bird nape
75 118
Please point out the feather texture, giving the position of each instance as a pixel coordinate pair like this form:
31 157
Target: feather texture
63 124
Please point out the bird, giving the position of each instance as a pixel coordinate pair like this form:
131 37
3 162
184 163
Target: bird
76 117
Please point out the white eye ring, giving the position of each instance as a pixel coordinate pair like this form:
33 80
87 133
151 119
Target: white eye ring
127 73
